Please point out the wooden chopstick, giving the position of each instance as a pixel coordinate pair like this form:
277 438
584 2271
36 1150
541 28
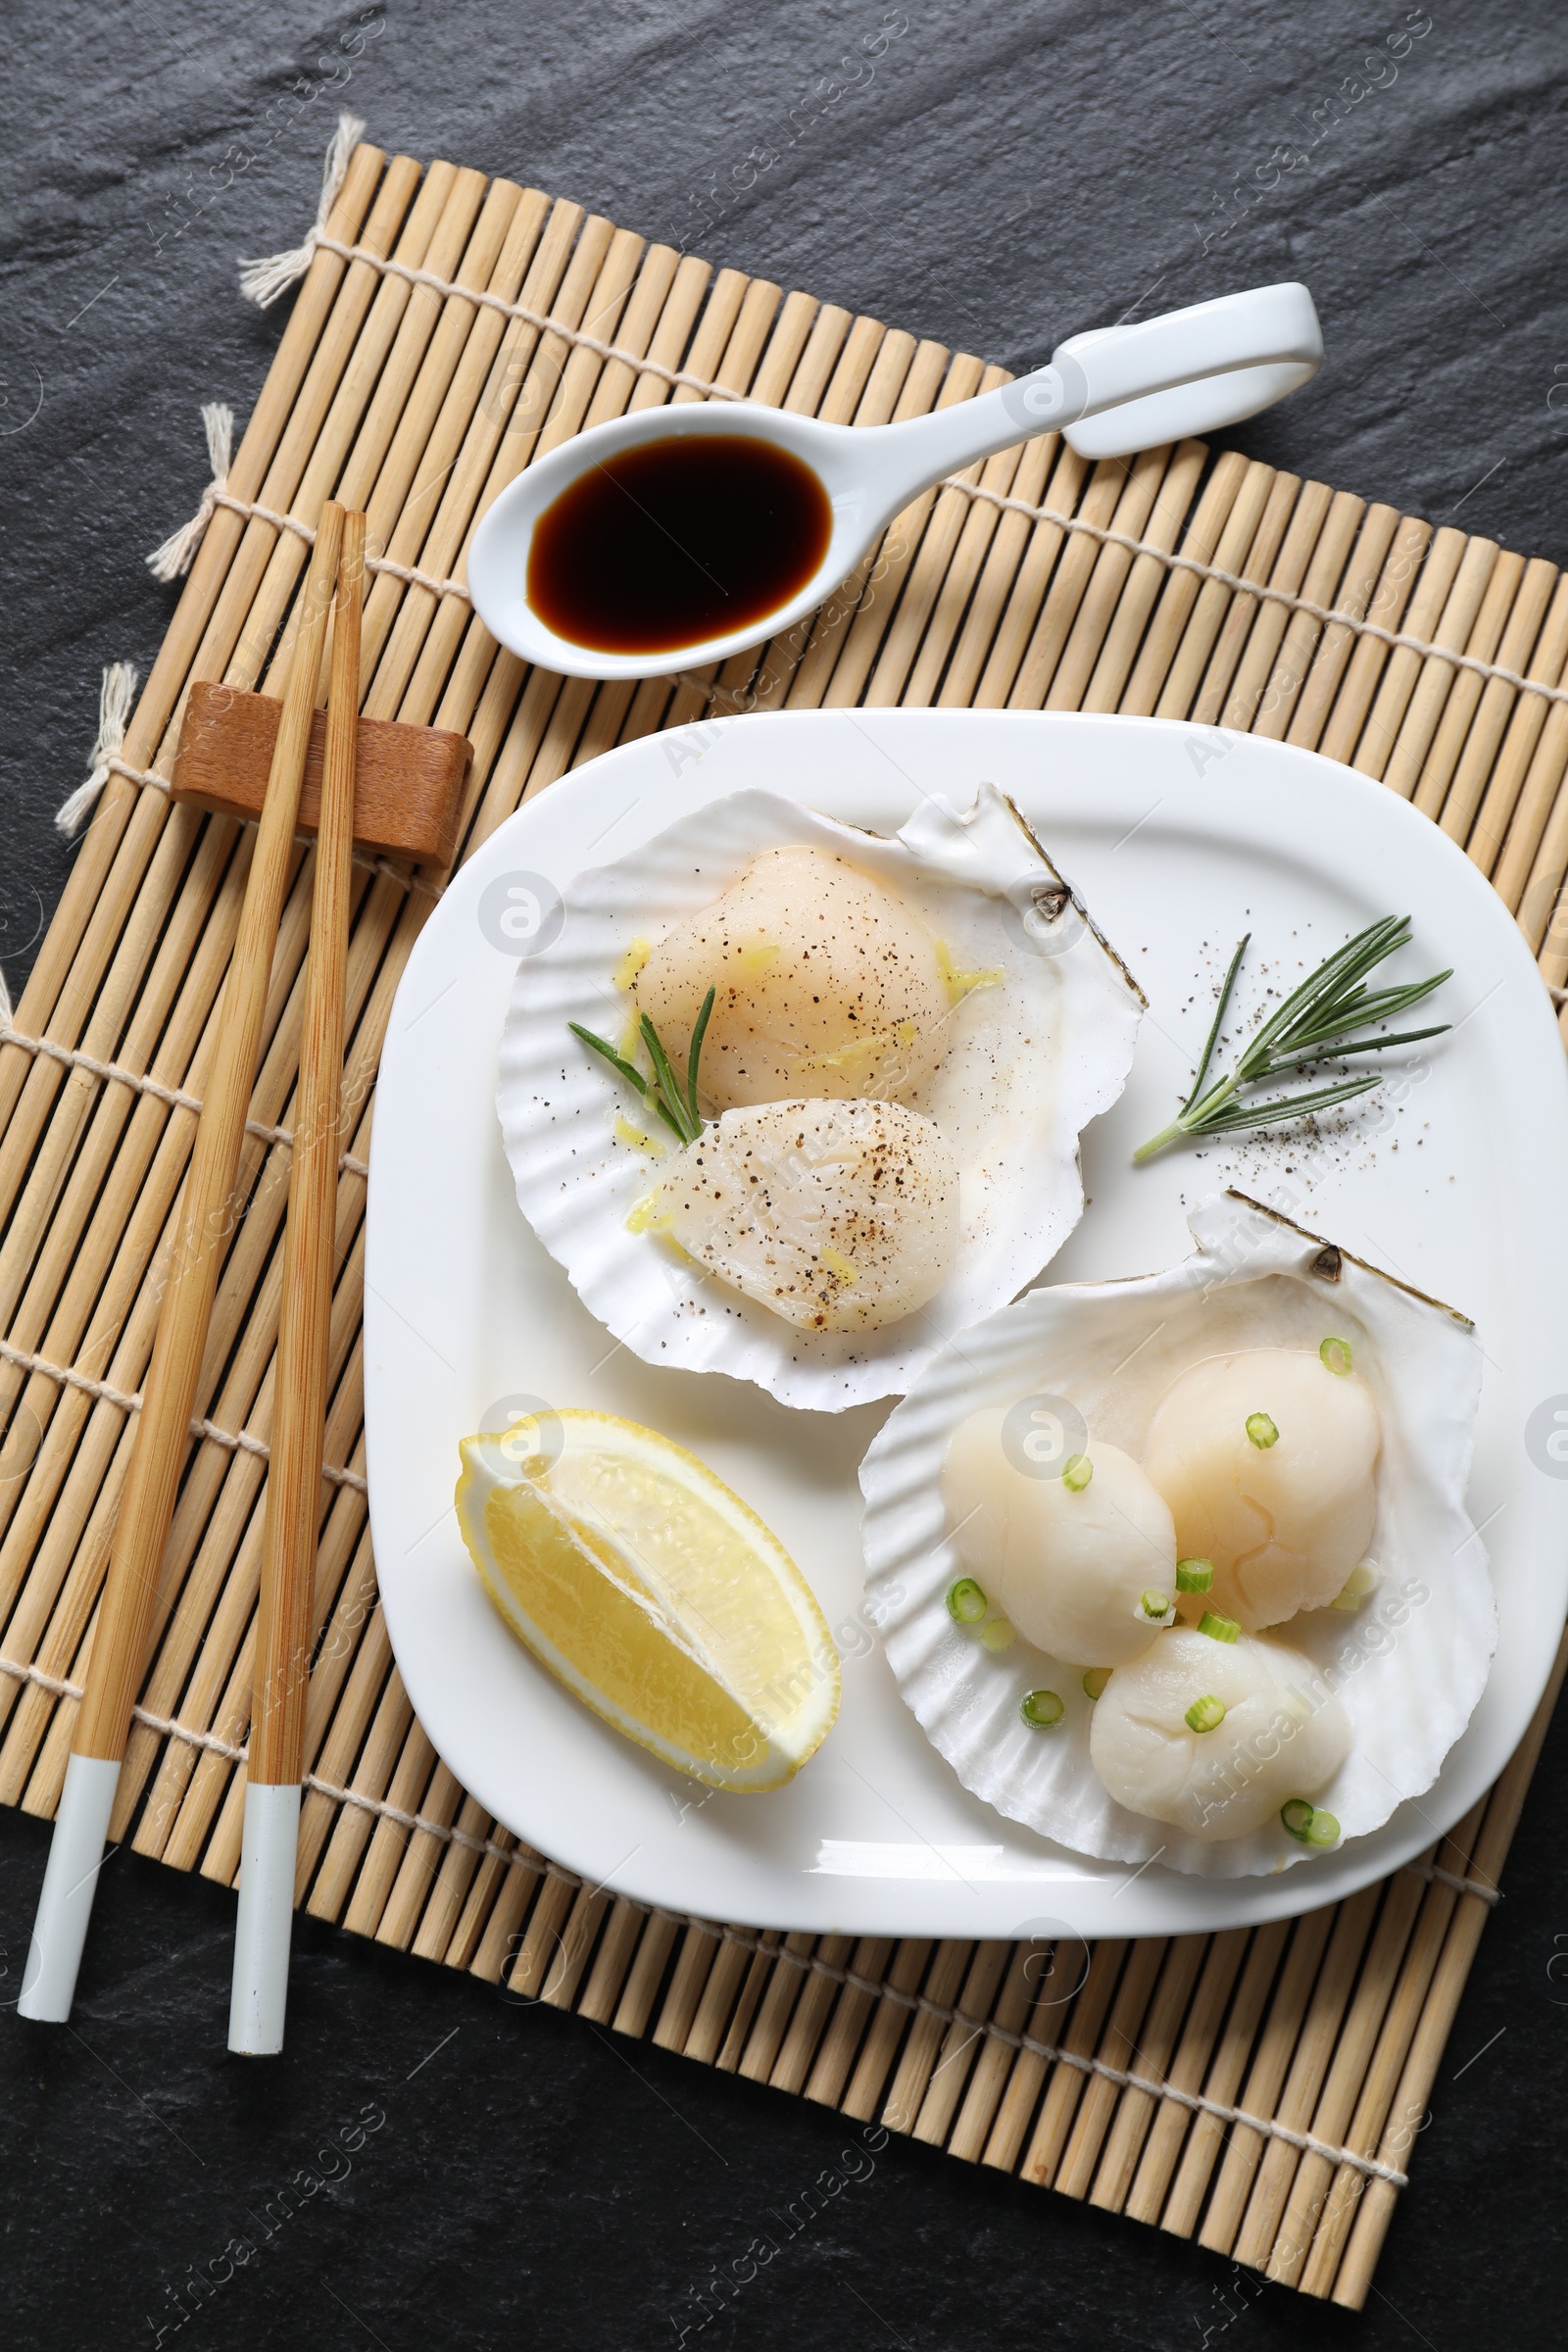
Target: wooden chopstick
207 1217
277 1760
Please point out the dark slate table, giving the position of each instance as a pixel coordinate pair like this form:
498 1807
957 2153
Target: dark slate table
488 2174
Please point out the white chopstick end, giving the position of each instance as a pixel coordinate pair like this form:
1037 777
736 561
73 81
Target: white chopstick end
70 1882
258 1998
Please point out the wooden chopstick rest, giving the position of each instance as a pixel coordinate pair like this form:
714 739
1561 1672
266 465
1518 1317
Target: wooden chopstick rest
407 788
277 1760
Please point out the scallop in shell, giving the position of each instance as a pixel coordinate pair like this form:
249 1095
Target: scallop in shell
1404 1650
965 988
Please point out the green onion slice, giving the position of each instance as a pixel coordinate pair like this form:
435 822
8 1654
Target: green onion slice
1218 1629
1154 1605
1325 1829
1262 1432
997 1635
1359 1585
1336 1356
1296 1815
1206 1715
967 1604
1194 1575
1095 1681
1040 1709
1076 1472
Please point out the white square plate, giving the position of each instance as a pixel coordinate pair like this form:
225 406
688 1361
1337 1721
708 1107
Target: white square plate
1178 839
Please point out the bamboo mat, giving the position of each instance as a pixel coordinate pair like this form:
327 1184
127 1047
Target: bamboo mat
1257 2090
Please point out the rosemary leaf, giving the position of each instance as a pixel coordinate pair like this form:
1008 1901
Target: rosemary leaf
675 1102
1314 1023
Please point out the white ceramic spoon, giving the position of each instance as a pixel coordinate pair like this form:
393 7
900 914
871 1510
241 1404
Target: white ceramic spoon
1113 390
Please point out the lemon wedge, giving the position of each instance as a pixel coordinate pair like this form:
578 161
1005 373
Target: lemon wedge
655 1594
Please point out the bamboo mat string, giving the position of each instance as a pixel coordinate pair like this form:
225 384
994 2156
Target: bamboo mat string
262 282
115 697
72 1058
235 1440
174 558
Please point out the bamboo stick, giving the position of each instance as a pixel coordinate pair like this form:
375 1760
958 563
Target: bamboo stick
889 2021
502 1934
481 1905
1071 667
1506 632
1117 497
949 1963
792 2065
965 583
1526 642
1498 787
1266 2076
613 1962
1434 584
641 1992
756 1980
1309 520
1200 2029
1339 640
699 1950
838 668
1353 2053
1211 521
1097 2097
1041 544
420 1867
1396 584
1157 2040
994 2062
1538 798
578 1937
1198 611
1314 2051
962 2043
1125 587
1224 2076
1239 611
734 1965
541 1954
851 2015
1006 553
757 2042
946 517
1296 634
1065 2085
1472 622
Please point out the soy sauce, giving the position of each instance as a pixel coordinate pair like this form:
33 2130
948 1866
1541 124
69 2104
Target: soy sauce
677 541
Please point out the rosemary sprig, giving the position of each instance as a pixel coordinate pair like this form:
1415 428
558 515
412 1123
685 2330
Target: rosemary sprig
672 1098
1313 1024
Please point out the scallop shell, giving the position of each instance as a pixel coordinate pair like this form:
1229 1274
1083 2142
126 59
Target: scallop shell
1033 1060
1410 1665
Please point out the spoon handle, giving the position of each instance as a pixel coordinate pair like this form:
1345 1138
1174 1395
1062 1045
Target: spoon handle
1213 349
